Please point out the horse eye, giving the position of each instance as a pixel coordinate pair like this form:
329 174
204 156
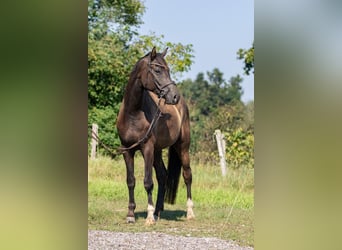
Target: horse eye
158 71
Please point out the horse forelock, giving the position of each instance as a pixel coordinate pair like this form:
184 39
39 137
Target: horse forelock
140 63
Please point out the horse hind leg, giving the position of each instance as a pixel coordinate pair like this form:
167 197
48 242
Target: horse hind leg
161 178
187 175
178 158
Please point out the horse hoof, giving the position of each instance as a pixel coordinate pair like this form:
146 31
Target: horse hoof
150 221
190 217
130 220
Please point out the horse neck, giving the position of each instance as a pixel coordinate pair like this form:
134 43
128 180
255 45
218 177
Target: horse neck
133 95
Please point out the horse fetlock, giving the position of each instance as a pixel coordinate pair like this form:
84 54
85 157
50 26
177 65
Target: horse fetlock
189 212
131 206
130 215
150 209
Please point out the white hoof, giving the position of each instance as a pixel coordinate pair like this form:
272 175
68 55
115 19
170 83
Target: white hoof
150 221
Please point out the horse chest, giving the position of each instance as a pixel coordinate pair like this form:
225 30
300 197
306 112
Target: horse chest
132 127
168 127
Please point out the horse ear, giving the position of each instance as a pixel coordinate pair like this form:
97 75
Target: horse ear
153 54
164 52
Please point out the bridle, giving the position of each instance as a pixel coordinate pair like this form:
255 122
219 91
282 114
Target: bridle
155 79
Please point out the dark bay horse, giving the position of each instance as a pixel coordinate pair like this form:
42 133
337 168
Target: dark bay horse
150 91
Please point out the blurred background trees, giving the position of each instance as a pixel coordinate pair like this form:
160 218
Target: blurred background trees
215 103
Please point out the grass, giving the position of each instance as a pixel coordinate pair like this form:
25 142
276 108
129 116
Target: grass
223 206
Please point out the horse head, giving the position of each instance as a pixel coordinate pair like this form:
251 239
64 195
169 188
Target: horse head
157 78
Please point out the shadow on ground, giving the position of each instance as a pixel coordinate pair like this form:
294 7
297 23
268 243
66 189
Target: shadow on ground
172 215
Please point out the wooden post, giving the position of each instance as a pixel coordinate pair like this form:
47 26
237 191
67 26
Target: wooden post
222 152
94 130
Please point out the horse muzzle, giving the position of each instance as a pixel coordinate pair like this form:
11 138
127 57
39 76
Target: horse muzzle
172 95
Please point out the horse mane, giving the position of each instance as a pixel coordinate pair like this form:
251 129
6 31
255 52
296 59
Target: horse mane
135 68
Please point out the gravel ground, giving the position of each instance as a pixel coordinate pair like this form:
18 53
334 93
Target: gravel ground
154 240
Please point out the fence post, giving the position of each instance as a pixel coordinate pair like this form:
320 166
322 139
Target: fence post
94 130
221 145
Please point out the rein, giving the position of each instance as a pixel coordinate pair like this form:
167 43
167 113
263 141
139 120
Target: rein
120 150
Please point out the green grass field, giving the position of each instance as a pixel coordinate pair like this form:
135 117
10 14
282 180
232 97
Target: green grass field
223 206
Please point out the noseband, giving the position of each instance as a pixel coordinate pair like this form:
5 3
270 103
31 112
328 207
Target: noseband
155 80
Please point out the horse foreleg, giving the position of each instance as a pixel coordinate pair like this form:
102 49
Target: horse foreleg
129 160
148 182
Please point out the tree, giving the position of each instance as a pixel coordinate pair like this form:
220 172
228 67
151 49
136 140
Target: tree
214 104
212 91
248 58
234 90
113 15
114 46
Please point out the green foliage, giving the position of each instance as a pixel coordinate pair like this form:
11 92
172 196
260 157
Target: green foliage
248 58
106 16
107 71
212 92
105 118
239 148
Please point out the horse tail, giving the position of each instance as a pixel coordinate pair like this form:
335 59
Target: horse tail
173 174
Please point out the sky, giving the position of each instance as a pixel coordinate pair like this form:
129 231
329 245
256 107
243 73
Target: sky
217 29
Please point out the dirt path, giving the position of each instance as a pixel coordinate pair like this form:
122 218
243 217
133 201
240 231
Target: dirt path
154 240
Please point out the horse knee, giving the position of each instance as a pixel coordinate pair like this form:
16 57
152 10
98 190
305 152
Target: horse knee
148 184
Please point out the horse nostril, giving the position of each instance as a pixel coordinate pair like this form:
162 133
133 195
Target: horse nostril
175 98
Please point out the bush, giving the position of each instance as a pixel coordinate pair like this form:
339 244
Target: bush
106 120
239 148
236 121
